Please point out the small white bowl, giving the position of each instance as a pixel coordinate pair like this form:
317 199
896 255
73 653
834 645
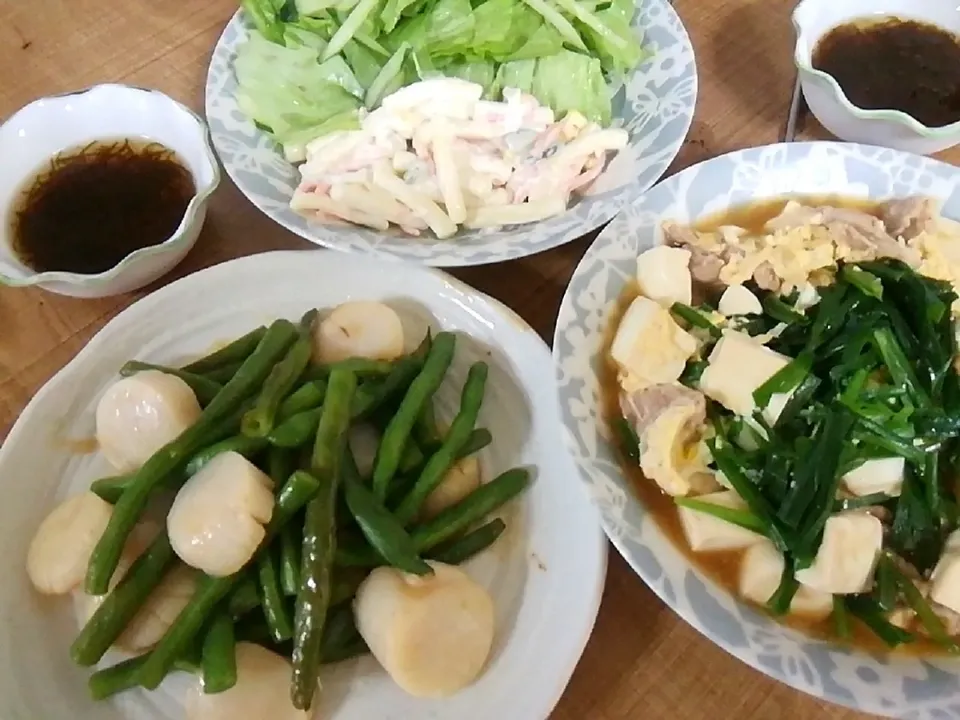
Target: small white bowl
812 19
37 132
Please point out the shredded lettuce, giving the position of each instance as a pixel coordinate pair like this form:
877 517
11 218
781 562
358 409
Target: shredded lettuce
308 66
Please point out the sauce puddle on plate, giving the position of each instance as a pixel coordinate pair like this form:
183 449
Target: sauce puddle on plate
91 206
889 63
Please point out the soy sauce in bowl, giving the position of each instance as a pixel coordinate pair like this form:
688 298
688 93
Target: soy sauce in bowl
890 63
91 206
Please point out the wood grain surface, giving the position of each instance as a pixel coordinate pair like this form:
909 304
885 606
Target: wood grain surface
642 662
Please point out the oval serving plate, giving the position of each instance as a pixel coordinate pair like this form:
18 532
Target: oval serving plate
900 685
655 105
545 573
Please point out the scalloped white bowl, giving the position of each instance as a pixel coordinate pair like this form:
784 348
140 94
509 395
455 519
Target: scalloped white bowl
655 105
898 686
545 573
37 132
889 128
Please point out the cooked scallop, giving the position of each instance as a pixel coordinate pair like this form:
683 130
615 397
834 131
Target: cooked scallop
262 691
140 414
361 328
431 633
461 480
60 550
217 518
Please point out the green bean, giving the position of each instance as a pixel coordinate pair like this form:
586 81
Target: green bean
359 366
122 676
259 420
280 464
426 429
210 591
320 537
204 388
412 457
346 582
471 398
296 430
244 598
219 656
341 639
473 543
246 446
119 607
306 397
237 351
111 488
420 392
223 374
174 455
274 609
477 441
381 529
374 395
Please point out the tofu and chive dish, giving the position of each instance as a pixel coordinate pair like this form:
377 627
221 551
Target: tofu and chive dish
289 501
783 383
431 115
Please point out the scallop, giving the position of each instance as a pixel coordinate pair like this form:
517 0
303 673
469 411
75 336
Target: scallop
60 550
461 480
432 633
362 329
262 691
140 414
216 522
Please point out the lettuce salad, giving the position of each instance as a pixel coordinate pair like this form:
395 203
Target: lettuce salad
309 67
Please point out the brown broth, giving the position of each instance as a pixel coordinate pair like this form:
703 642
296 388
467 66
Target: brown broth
724 567
889 63
90 207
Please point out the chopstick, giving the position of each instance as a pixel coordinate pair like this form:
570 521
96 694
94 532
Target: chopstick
797 106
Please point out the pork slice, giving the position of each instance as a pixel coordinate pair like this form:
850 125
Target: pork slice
794 215
872 240
642 407
908 217
766 278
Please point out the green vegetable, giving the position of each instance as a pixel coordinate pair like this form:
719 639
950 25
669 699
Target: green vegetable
296 430
841 618
173 456
779 602
918 603
743 518
123 676
341 639
694 317
259 420
473 543
223 374
246 446
426 431
477 441
219 656
871 614
265 18
235 352
211 591
437 466
204 388
420 392
320 536
244 598
308 396
112 487
271 597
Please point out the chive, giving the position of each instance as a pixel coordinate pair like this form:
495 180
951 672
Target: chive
629 442
799 400
898 365
695 318
832 310
867 283
841 619
931 482
886 589
781 312
735 516
783 380
692 373
860 502
779 602
928 618
880 437
868 611
854 388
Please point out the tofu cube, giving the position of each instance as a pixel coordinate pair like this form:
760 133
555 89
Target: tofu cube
945 580
738 300
663 274
761 568
883 475
737 366
706 533
847 556
650 347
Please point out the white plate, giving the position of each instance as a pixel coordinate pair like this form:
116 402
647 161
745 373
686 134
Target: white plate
900 685
546 573
655 105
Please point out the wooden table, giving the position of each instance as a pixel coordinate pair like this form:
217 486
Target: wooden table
642 662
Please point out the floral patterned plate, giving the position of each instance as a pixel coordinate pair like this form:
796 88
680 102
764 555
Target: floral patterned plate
897 686
655 105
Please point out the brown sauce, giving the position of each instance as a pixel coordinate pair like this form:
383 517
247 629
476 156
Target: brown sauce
723 568
890 63
92 206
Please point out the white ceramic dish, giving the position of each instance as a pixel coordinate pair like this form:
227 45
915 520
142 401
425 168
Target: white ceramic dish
546 572
37 132
897 686
888 128
655 105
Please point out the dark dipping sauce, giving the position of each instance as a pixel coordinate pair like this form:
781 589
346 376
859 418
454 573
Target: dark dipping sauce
894 64
94 205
